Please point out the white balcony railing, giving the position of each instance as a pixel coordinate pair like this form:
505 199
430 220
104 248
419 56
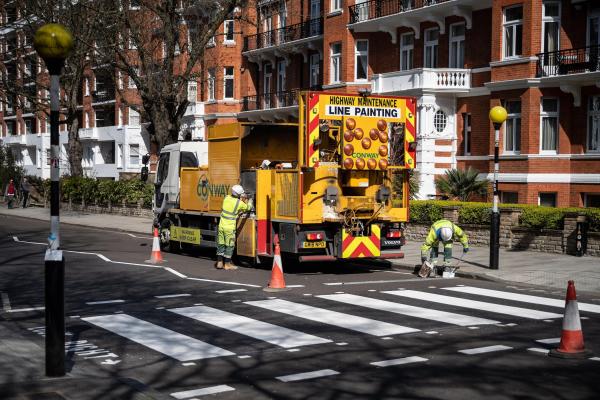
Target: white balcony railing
440 79
88 133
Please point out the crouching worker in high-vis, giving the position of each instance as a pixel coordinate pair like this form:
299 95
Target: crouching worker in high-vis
445 232
233 205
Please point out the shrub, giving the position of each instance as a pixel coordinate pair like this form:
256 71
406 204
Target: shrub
542 217
475 213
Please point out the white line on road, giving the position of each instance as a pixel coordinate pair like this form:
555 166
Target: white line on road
473 304
342 320
165 341
545 301
294 286
168 296
368 282
307 375
277 335
486 349
224 282
539 350
177 273
93 303
595 358
202 392
549 341
17 310
231 291
5 302
399 361
416 312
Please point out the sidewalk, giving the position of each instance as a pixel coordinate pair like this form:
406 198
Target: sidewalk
535 268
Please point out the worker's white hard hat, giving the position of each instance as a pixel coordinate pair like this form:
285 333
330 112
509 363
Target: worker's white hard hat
237 190
445 233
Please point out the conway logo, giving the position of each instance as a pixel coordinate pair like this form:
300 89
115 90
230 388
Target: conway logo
365 155
205 188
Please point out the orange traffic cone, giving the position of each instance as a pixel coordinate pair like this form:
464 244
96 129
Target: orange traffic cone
571 339
277 283
156 256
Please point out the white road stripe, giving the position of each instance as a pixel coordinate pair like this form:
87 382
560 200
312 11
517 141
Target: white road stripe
355 323
92 303
539 350
478 305
16 310
294 286
549 341
417 312
168 296
202 392
487 349
545 301
176 273
277 335
595 358
399 361
307 375
165 341
367 282
224 282
231 290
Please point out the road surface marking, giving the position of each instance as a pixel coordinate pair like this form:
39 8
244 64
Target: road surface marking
202 392
294 286
168 296
473 327
478 305
368 282
538 350
277 335
595 358
17 310
486 349
293 350
432 332
177 273
417 312
188 364
231 290
549 341
165 341
386 338
399 361
93 303
352 322
342 344
224 282
245 356
545 301
5 302
307 375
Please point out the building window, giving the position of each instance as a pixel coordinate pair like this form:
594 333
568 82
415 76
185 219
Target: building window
361 60
431 47
29 126
591 200
549 118
551 26
513 31
281 76
440 119
107 151
457 45
336 62
282 14
211 84
336 5
407 45
130 82
593 139
547 199
509 197
315 64
134 117
228 82
512 134
228 30
466 133
192 91
134 154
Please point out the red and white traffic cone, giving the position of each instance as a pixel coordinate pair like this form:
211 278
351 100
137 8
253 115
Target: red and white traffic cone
156 256
571 339
277 282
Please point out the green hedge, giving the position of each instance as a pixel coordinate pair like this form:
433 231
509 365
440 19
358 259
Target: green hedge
535 217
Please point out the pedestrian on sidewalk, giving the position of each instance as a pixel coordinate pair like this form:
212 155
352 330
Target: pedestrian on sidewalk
233 205
443 231
25 189
10 193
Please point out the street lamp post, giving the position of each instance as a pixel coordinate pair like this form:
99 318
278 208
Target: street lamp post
497 116
53 42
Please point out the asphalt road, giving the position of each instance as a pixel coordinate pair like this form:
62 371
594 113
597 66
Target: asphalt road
184 330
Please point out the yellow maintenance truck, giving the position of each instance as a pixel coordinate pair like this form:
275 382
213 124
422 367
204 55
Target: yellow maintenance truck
332 186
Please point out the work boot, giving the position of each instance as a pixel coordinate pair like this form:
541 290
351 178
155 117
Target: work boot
229 266
219 265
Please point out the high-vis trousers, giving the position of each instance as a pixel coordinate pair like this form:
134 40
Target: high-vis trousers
225 243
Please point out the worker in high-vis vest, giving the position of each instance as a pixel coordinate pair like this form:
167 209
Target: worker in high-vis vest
443 231
233 205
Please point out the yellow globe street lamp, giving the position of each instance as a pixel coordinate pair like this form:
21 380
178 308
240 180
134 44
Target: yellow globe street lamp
498 115
54 43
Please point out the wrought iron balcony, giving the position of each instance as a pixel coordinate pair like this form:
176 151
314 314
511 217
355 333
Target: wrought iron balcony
266 101
381 8
277 37
569 61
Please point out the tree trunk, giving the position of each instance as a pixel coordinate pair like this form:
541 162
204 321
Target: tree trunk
75 149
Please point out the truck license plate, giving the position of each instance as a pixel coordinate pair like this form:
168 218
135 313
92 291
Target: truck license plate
313 245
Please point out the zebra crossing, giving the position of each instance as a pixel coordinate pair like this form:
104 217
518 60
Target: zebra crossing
182 347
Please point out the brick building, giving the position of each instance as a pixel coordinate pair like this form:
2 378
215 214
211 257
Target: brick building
538 58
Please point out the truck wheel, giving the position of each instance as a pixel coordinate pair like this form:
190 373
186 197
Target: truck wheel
164 235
